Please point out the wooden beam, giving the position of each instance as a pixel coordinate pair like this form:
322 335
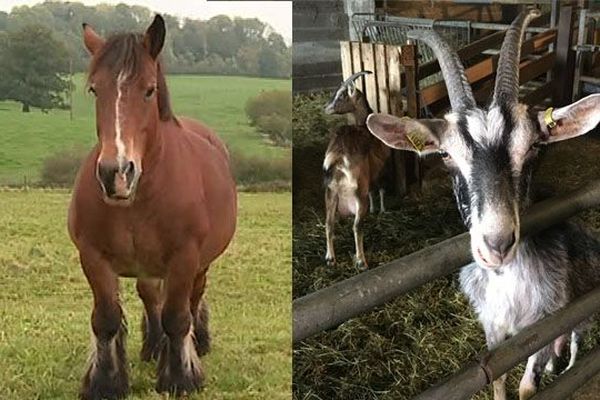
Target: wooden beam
368 58
381 74
346 59
538 95
394 80
487 67
538 42
533 68
411 65
565 59
477 72
465 53
409 61
529 70
357 66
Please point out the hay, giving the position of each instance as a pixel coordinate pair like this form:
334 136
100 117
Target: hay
412 343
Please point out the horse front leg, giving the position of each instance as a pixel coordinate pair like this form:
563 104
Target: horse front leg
150 291
107 375
179 369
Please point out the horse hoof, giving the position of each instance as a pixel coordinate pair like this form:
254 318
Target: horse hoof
104 389
181 385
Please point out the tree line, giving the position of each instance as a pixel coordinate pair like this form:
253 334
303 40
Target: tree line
220 45
38 43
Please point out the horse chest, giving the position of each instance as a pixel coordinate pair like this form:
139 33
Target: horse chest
138 252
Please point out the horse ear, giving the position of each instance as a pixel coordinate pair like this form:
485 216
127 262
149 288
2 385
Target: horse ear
93 42
155 36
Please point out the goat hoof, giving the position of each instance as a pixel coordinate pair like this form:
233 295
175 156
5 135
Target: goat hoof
361 265
330 261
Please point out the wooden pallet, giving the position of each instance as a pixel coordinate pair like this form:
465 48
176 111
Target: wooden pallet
382 88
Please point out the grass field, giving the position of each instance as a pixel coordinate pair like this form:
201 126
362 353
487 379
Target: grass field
26 139
45 305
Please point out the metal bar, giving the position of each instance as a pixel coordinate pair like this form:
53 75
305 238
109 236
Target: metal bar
329 307
567 383
587 47
425 22
590 79
509 353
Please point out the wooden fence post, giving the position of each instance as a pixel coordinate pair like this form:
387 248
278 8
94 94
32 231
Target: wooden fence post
411 65
564 68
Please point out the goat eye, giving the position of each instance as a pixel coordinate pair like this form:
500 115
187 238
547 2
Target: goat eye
444 154
92 90
149 92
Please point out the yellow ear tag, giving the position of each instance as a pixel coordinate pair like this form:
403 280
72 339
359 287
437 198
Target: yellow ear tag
416 140
548 120
414 137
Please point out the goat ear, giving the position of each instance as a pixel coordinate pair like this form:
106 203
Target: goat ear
570 121
418 135
93 42
154 39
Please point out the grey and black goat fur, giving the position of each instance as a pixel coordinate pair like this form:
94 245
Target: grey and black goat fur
489 153
353 166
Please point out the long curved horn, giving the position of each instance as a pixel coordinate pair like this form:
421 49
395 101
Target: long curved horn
459 90
353 77
506 89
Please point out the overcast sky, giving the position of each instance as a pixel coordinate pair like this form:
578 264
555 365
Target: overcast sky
278 14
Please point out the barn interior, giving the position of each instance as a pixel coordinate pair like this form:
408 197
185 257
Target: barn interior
407 345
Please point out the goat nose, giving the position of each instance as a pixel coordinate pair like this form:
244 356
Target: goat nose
500 244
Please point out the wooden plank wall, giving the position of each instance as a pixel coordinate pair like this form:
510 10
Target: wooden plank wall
382 88
319 25
441 9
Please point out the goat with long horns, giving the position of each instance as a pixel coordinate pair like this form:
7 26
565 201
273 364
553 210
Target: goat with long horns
489 153
353 166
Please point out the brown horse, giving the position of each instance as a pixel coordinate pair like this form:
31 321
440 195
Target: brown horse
155 199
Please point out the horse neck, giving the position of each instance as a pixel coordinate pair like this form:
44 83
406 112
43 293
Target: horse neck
154 149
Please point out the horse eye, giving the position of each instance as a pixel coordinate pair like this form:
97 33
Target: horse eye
150 92
92 90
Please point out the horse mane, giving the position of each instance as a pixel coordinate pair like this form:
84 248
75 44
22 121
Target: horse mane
124 52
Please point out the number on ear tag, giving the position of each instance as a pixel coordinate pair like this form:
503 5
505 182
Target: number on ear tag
417 141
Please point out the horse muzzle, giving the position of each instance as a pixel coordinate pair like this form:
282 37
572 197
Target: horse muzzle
117 180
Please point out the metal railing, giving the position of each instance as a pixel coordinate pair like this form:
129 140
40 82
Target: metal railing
390 29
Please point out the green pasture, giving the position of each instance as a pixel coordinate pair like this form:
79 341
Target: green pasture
45 304
26 139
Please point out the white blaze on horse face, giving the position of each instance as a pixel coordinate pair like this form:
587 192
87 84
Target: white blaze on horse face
119 119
